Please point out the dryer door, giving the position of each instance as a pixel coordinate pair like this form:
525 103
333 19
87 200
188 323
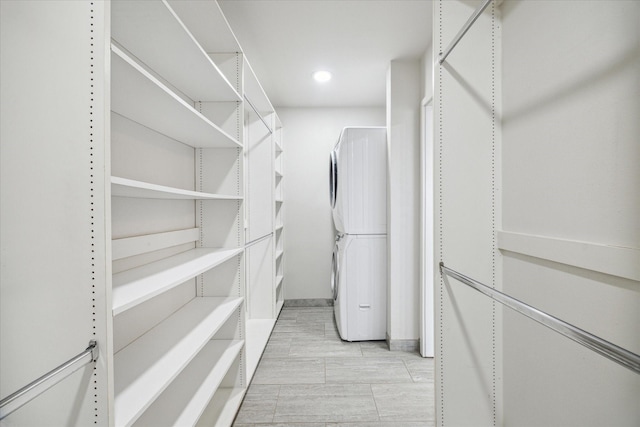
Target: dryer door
335 272
333 178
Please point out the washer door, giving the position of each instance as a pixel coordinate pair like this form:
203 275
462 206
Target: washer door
335 273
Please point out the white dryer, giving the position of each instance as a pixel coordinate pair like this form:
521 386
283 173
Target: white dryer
358 181
359 284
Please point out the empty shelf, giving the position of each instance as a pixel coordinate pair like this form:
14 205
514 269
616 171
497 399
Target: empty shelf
132 287
123 187
186 398
140 97
169 48
223 408
146 367
279 281
279 253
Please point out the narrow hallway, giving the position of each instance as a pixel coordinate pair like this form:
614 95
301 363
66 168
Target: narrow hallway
309 377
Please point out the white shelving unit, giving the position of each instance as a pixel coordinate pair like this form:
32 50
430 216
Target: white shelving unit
262 310
279 231
134 286
124 187
194 288
168 186
184 401
201 80
145 368
137 90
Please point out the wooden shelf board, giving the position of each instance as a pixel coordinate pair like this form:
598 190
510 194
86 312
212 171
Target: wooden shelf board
124 187
169 48
186 398
146 367
132 287
140 97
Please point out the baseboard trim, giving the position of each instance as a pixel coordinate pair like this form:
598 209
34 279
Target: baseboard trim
315 302
403 345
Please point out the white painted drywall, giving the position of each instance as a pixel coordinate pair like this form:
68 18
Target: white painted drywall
310 134
403 227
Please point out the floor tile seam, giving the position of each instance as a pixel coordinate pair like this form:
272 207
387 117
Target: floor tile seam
375 403
275 407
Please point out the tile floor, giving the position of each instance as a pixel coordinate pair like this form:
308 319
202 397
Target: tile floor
309 377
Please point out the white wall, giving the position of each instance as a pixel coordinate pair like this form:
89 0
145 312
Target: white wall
309 136
403 227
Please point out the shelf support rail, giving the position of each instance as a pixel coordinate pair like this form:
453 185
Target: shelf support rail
253 107
472 19
32 390
605 348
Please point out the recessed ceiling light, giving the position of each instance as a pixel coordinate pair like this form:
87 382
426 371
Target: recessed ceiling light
322 76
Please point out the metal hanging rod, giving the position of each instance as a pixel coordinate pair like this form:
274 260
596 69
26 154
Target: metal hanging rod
253 107
259 239
27 393
605 348
464 30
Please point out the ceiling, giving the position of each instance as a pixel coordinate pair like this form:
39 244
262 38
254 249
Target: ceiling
287 40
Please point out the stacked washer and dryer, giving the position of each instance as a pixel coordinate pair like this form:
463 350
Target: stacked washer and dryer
358 193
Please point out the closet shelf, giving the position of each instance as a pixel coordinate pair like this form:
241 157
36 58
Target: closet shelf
279 281
279 227
208 24
186 398
170 49
279 253
139 96
146 367
279 201
124 187
223 408
278 174
132 287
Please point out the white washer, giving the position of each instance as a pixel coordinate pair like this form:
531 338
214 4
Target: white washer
359 284
358 181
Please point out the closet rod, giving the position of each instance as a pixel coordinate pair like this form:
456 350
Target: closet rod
259 239
605 348
464 30
253 107
32 390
